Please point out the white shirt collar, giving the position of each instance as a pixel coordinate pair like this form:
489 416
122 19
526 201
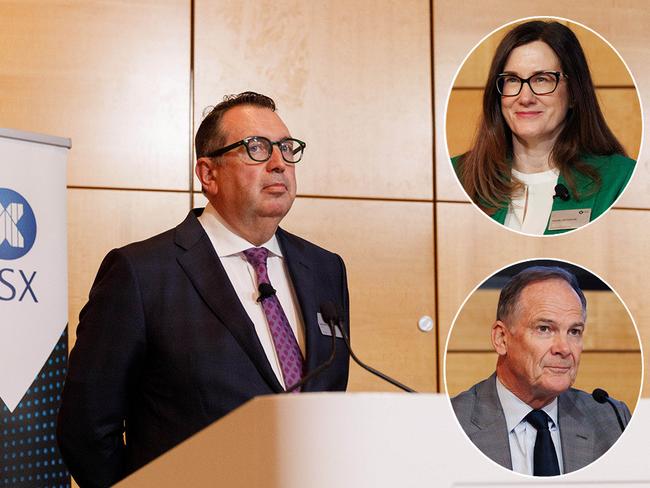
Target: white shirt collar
548 176
515 409
225 241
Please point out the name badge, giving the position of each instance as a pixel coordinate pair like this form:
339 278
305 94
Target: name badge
325 329
569 219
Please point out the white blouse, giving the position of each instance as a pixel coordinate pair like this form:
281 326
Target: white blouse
530 210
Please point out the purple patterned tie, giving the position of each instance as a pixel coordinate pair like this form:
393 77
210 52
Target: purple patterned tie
286 346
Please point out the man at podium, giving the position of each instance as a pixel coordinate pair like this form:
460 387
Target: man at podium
526 416
186 326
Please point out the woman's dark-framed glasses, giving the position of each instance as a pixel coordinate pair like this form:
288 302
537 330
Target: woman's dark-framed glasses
542 83
260 149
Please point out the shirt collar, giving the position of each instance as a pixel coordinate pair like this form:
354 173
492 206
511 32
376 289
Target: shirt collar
225 241
547 176
515 409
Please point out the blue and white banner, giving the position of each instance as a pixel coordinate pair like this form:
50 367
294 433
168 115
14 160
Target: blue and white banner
33 257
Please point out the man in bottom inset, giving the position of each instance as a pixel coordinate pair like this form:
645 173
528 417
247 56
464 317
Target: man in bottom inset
526 416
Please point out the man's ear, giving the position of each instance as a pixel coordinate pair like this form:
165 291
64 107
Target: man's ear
206 172
500 336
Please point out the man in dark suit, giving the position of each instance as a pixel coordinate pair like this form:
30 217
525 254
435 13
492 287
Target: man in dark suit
526 416
176 334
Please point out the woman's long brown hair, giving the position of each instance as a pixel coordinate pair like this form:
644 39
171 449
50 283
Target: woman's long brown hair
485 170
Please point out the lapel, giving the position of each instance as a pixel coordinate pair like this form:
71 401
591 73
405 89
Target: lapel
500 215
583 186
204 269
577 434
490 433
303 279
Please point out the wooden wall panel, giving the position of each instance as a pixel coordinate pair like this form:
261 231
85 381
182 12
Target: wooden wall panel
605 65
609 326
352 79
199 200
473 71
113 76
617 373
620 107
458 27
463 114
473 247
100 220
607 68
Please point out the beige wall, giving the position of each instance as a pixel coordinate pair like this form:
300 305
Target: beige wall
364 83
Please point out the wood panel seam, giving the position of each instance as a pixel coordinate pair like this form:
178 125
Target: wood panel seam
117 188
192 112
434 210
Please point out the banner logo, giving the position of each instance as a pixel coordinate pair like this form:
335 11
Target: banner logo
17 225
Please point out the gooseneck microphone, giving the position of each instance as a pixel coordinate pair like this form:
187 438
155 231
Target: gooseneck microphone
601 396
329 309
330 320
562 193
266 291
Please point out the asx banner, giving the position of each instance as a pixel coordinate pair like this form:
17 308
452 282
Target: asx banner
33 256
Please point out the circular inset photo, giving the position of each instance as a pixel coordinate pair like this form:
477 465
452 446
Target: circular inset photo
543 367
543 126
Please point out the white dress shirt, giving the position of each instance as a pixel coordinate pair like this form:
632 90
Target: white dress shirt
229 247
521 434
529 211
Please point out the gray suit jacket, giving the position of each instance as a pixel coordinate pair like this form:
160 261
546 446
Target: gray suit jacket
587 428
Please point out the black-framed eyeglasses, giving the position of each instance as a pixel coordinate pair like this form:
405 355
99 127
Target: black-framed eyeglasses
542 83
260 149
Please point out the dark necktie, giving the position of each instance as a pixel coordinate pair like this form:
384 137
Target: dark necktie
284 340
544 456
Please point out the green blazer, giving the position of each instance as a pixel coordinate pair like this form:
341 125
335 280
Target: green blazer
615 171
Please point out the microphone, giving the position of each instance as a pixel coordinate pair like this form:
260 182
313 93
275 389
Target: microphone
562 193
601 396
330 318
330 314
266 291
370 369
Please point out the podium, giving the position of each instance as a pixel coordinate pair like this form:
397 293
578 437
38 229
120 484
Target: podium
318 440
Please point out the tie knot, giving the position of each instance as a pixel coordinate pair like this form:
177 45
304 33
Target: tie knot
257 256
538 419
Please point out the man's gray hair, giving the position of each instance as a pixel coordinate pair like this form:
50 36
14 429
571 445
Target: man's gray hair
510 293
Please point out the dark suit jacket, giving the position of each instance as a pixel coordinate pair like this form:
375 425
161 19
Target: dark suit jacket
164 348
587 428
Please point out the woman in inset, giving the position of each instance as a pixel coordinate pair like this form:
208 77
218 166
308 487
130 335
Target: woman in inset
544 160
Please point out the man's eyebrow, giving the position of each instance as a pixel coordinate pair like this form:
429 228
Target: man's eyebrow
544 320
